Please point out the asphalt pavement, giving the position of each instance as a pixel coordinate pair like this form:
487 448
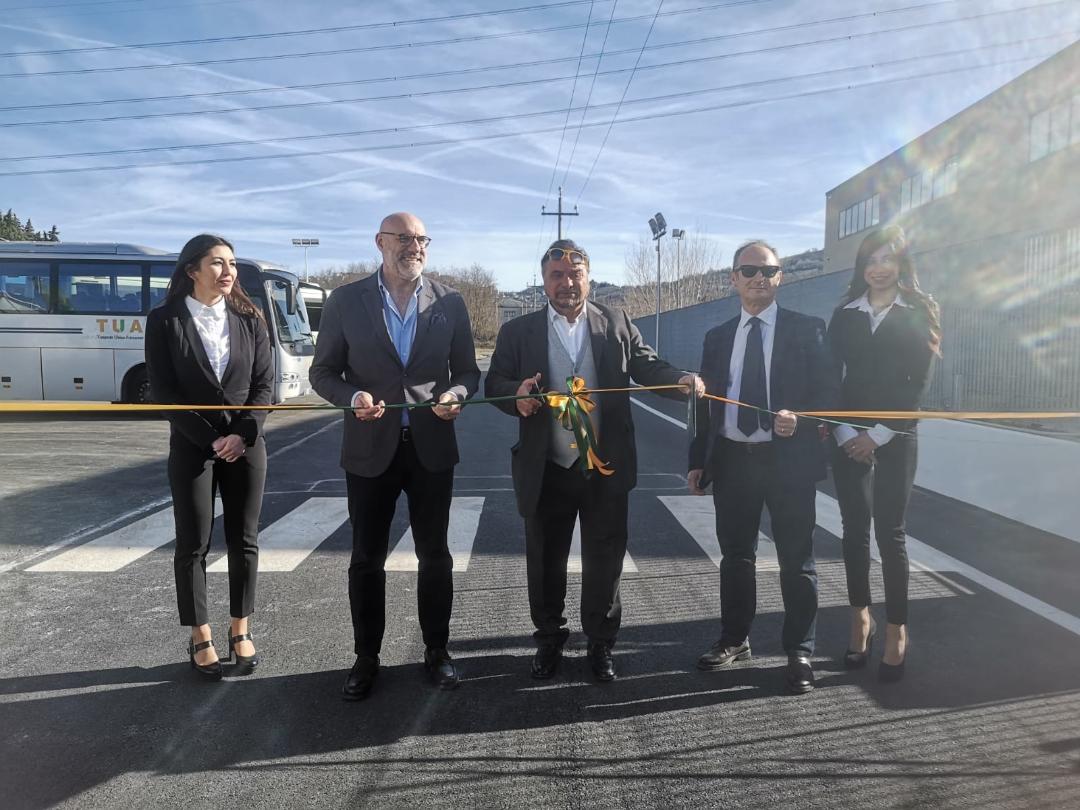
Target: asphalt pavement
98 707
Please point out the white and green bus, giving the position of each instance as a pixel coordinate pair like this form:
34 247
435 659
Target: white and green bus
73 319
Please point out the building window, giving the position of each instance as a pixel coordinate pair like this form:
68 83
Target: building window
928 185
860 216
1054 129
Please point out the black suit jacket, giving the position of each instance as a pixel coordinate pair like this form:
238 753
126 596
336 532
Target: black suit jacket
801 378
887 370
180 374
521 350
355 353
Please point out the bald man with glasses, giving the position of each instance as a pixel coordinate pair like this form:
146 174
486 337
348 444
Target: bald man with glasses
394 338
574 337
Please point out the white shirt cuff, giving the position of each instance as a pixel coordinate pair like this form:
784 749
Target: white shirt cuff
844 434
352 402
880 434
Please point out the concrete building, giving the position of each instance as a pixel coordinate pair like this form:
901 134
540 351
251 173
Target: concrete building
990 200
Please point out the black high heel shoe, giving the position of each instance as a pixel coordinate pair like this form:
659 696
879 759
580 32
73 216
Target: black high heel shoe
858 660
212 672
245 664
891 673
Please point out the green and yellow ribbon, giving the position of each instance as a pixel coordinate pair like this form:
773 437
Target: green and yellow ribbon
572 411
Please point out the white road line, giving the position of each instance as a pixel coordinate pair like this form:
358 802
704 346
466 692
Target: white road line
141 510
931 559
661 414
114 550
573 562
288 541
460 537
697 515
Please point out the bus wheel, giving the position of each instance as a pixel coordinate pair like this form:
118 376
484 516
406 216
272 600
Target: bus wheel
137 389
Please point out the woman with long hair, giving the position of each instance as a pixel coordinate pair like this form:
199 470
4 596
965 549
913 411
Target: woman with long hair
884 336
207 344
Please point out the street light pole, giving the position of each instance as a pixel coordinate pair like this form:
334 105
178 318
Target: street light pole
677 234
305 244
658 226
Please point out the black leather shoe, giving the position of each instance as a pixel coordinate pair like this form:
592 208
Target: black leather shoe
440 668
361 678
211 672
891 673
603 665
857 660
722 655
799 675
245 664
546 661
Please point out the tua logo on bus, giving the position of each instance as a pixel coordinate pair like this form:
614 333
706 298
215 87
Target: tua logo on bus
119 326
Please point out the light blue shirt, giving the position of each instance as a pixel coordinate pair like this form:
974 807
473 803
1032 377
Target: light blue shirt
401 328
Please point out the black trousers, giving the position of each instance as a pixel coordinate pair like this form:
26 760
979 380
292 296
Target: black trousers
371 511
882 492
566 494
194 480
747 478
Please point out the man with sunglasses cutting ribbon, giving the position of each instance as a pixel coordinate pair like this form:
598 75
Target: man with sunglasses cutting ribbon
389 339
574 337
774 362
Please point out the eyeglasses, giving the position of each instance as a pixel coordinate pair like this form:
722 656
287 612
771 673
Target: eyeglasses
407 238
751 270
558 254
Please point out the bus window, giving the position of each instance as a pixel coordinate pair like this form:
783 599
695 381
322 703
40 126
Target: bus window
99 287
24 287
159 283
292 329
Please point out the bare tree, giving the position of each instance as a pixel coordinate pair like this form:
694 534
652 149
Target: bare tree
334 276
689 274
477 286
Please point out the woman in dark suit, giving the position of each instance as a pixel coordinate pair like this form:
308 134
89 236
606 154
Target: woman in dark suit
884 336
207 344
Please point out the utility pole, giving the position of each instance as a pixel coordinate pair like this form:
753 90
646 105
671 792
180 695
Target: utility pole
560 213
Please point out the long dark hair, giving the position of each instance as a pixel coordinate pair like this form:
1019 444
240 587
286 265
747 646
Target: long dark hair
181 284
924 304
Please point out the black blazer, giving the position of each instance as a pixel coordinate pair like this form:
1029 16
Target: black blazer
801 378
180 374
887 370
619 353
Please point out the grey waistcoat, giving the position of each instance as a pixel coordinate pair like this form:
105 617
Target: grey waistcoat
562 447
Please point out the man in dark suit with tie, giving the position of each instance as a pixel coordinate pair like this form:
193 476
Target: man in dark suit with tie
774 361
394 338
572 336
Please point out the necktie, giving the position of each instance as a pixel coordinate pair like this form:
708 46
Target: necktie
752 389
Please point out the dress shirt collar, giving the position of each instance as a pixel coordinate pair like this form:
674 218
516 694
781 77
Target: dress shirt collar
554 316
199 310
767 316
386 292
863 303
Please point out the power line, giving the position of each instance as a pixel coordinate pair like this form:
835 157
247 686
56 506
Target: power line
495 119
622 98
503 135
302 31
501 85
366 48
588 98
562 137
510 66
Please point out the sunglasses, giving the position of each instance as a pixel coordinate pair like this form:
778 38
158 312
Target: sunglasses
575 256
407 238
751 270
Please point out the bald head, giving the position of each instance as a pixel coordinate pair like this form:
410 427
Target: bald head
403 255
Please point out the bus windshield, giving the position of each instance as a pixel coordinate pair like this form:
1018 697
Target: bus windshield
294 330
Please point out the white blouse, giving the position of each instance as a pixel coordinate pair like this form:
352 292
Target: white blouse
212 323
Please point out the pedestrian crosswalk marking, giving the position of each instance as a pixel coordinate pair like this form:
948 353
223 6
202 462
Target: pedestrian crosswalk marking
114 550
460 536
697 515
287 542
573 562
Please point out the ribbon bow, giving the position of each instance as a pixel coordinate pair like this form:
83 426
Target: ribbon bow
572 409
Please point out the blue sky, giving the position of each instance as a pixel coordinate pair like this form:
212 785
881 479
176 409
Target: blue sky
757 163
